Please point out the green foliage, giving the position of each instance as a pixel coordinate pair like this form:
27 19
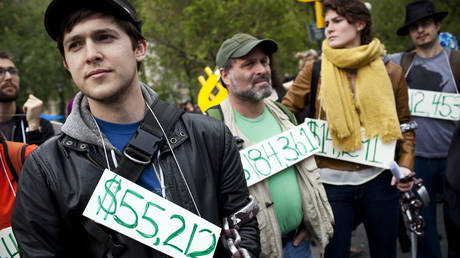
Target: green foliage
184 37
36 55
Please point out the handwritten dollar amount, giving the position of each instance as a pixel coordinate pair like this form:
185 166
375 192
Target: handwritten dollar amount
373 153
434 104
271 156
140 214
8 245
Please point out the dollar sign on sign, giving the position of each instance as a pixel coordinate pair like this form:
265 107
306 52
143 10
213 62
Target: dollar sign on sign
112 203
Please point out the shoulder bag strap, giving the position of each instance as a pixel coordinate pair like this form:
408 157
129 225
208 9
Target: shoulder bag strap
454 61
215 112
406 61
13 154
313 87
287 112
139 151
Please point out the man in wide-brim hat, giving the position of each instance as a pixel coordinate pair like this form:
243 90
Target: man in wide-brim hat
418 11
429 67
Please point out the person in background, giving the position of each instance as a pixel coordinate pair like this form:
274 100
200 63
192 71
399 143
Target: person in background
19 124
357 89
304 58
188 106
432 67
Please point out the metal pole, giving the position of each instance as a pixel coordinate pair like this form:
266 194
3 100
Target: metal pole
413 243
319 41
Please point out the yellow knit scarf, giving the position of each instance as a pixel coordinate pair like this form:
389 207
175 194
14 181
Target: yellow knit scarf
372 106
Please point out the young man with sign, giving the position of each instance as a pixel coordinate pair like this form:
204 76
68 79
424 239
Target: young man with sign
357 89
118 125
294 205
430 69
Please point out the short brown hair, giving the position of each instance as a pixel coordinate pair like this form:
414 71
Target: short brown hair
81 14
6 55
353 11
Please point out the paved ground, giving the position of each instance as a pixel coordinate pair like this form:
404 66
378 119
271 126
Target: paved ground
360 240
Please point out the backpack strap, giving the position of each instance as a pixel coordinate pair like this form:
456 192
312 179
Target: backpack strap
15 154
406 61
287 112
454 61
215 112
314 87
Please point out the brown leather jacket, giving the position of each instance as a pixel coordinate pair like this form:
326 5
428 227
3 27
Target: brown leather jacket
299 94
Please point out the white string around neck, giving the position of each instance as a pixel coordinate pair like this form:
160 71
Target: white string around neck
175 159
6 175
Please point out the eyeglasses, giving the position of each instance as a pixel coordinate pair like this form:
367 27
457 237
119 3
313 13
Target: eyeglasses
424 23
13 71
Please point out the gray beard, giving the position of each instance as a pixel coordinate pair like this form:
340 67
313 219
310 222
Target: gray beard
251 94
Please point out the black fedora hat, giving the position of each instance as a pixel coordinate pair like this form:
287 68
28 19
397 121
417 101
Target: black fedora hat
418 10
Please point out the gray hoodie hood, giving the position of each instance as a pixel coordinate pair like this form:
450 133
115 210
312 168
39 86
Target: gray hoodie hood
81 125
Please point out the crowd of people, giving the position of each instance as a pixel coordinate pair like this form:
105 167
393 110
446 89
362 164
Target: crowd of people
117 124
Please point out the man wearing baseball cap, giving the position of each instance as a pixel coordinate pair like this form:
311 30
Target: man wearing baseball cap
295 204
429 67
117 123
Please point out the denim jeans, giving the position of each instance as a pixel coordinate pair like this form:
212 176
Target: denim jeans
303 250
376 205
432 171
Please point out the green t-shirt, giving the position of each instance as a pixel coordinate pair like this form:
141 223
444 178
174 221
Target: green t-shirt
284 188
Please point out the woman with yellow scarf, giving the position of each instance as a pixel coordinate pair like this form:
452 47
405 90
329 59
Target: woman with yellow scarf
356 89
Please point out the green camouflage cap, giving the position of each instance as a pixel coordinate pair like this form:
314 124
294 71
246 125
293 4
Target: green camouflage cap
240 45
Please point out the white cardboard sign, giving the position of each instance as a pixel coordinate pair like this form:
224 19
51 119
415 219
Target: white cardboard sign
8 244
276 153
373 153
146 217
434 104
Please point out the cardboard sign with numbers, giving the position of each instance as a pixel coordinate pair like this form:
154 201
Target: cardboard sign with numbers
373 152
434 104
146 217
8 244
271 156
